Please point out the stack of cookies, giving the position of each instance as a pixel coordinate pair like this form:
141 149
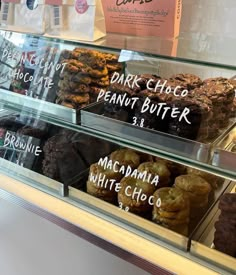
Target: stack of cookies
210 178
173 210
85 74
197 189
113 64
175 169
136 188
225 234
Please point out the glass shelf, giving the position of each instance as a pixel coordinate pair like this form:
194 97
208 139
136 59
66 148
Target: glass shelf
127 141
199 48
139 58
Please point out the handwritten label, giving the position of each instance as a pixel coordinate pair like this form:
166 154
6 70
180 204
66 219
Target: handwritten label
124 2
32 61
160 87
122 207
19 142
128 171
161 110
111 184
137 123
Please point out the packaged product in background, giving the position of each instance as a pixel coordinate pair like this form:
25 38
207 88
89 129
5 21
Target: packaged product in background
76 19
24 16
143 17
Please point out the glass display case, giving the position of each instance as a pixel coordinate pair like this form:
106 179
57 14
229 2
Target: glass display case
144 139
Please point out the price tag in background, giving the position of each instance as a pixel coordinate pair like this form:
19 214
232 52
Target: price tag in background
56 17
5 12
55 13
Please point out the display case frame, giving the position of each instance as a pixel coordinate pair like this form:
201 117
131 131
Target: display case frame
68 118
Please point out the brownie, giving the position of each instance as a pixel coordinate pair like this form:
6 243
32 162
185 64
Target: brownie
225 237
33 132
144 78
153 121
61 160
219 90
200 110
115 110
186 81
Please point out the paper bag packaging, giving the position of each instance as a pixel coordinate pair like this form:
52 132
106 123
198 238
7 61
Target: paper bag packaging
77 19
24 16
143 17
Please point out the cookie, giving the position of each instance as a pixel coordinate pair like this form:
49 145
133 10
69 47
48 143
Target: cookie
101 82
110 58
175 169
130 194
185 81
193 184
101 182
92 58
73 87
126 157
114 67
74 66
172 199
167 221
76 98
178 215
156 169
210 178
68 104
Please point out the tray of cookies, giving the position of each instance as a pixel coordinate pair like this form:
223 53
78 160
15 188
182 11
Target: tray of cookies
189 125
160 196
215 237
225 152
58 80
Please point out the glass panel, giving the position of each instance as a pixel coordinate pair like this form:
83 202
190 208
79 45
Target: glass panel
125 184
53 72
156 92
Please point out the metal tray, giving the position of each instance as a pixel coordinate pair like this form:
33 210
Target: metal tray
77 192
17 102
32 178
93 117
223 156
202 238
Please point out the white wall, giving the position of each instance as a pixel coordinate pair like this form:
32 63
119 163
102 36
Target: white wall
209 16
